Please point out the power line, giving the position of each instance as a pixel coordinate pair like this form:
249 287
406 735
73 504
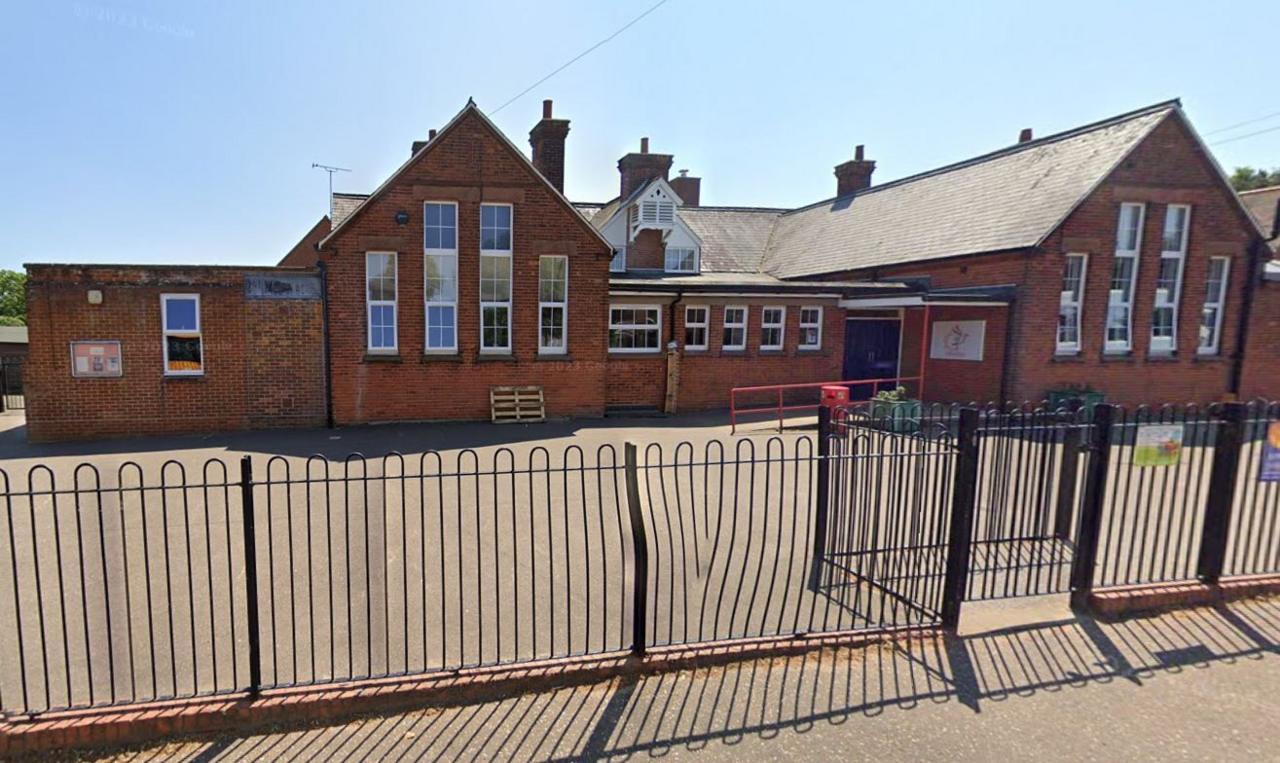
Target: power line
576 58
1263 118
1246 135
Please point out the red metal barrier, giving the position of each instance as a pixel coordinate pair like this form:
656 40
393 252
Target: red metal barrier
782 408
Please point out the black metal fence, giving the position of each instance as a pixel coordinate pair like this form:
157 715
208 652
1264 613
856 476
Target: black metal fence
122 586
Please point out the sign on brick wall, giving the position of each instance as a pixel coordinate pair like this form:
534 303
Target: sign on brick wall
957 340
281 286
96 360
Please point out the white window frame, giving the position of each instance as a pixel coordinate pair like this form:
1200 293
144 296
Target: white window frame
1075 301
736 325
1171 302
1134 256
428 304
563 306
781 326
369 304
633 326
817 325
166 332
618 264
704 324
1218 305
667 259
498 253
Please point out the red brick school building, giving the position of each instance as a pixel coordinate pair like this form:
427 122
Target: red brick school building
1113 257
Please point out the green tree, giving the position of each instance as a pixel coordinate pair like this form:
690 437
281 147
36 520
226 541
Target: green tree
13 298
1248 178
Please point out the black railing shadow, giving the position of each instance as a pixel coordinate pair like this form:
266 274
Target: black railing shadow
650 716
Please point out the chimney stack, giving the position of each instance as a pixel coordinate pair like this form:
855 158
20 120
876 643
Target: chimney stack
688 189
547 139
418 144
638 169
854 175
1025 135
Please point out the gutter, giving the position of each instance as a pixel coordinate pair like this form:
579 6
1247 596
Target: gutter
1255 274
324 327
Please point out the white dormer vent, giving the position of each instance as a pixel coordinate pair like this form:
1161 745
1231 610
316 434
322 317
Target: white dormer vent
655 209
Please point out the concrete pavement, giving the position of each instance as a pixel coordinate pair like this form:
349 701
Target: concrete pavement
1192 685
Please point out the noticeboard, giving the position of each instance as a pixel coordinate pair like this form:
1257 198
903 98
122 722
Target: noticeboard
96 360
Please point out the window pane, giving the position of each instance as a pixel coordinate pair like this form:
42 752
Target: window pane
382 327
494 331
184 353
495 279
619 261
441 278
552 327
1129 228
441 327
495 227
180 314
551 279
1175 224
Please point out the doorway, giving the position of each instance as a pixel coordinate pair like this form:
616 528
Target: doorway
871 350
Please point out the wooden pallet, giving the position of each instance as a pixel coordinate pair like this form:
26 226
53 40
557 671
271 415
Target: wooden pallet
511 405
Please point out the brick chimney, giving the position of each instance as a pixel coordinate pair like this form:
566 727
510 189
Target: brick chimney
547 138
688 189
638 169
854 175
1025 135
418 144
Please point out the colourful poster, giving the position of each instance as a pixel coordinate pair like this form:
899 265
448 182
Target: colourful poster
1270 471
1158 445
95 359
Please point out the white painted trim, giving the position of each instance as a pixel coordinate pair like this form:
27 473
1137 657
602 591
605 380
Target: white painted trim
821 319
780 325
509 303
165 332
705 326
427 305
611 326
724 324
1221 306
1175 303
395 306
563 349
1073 348
872 303
1136 255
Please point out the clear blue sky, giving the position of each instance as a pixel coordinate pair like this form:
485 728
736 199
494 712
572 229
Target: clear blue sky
170 132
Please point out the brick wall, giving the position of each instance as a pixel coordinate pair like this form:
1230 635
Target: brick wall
1261 376
647 251
468 164
263 359
304 254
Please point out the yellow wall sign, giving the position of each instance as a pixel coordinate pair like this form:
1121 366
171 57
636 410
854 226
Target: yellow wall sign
1158 445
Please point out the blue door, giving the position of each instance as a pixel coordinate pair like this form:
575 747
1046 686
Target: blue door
870 352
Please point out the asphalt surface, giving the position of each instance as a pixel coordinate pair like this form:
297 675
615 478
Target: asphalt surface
1024 680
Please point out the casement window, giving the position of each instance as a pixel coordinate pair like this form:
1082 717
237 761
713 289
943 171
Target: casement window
619 262
1173 253
681 259
1215 297
810 328
1069 304
440 275
183 343
772 321
1124 279
696 320
380 297
735 328
553 300
495 278
635 328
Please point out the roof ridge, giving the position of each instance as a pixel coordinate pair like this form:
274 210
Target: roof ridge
353 195
1007 150
1260 190
736 208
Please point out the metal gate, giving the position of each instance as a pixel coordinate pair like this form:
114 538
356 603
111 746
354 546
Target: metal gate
1027 494
11 397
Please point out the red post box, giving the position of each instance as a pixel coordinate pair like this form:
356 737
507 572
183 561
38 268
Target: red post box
835 396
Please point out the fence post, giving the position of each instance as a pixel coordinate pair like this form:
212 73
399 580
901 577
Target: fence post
1069 471
640 542
1222 493
1095 492
251 574
960 532
822 500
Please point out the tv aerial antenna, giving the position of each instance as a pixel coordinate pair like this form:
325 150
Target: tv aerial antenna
329 169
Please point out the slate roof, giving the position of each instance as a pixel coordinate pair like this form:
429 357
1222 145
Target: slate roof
344 204
1008 199
1264 205
734 239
